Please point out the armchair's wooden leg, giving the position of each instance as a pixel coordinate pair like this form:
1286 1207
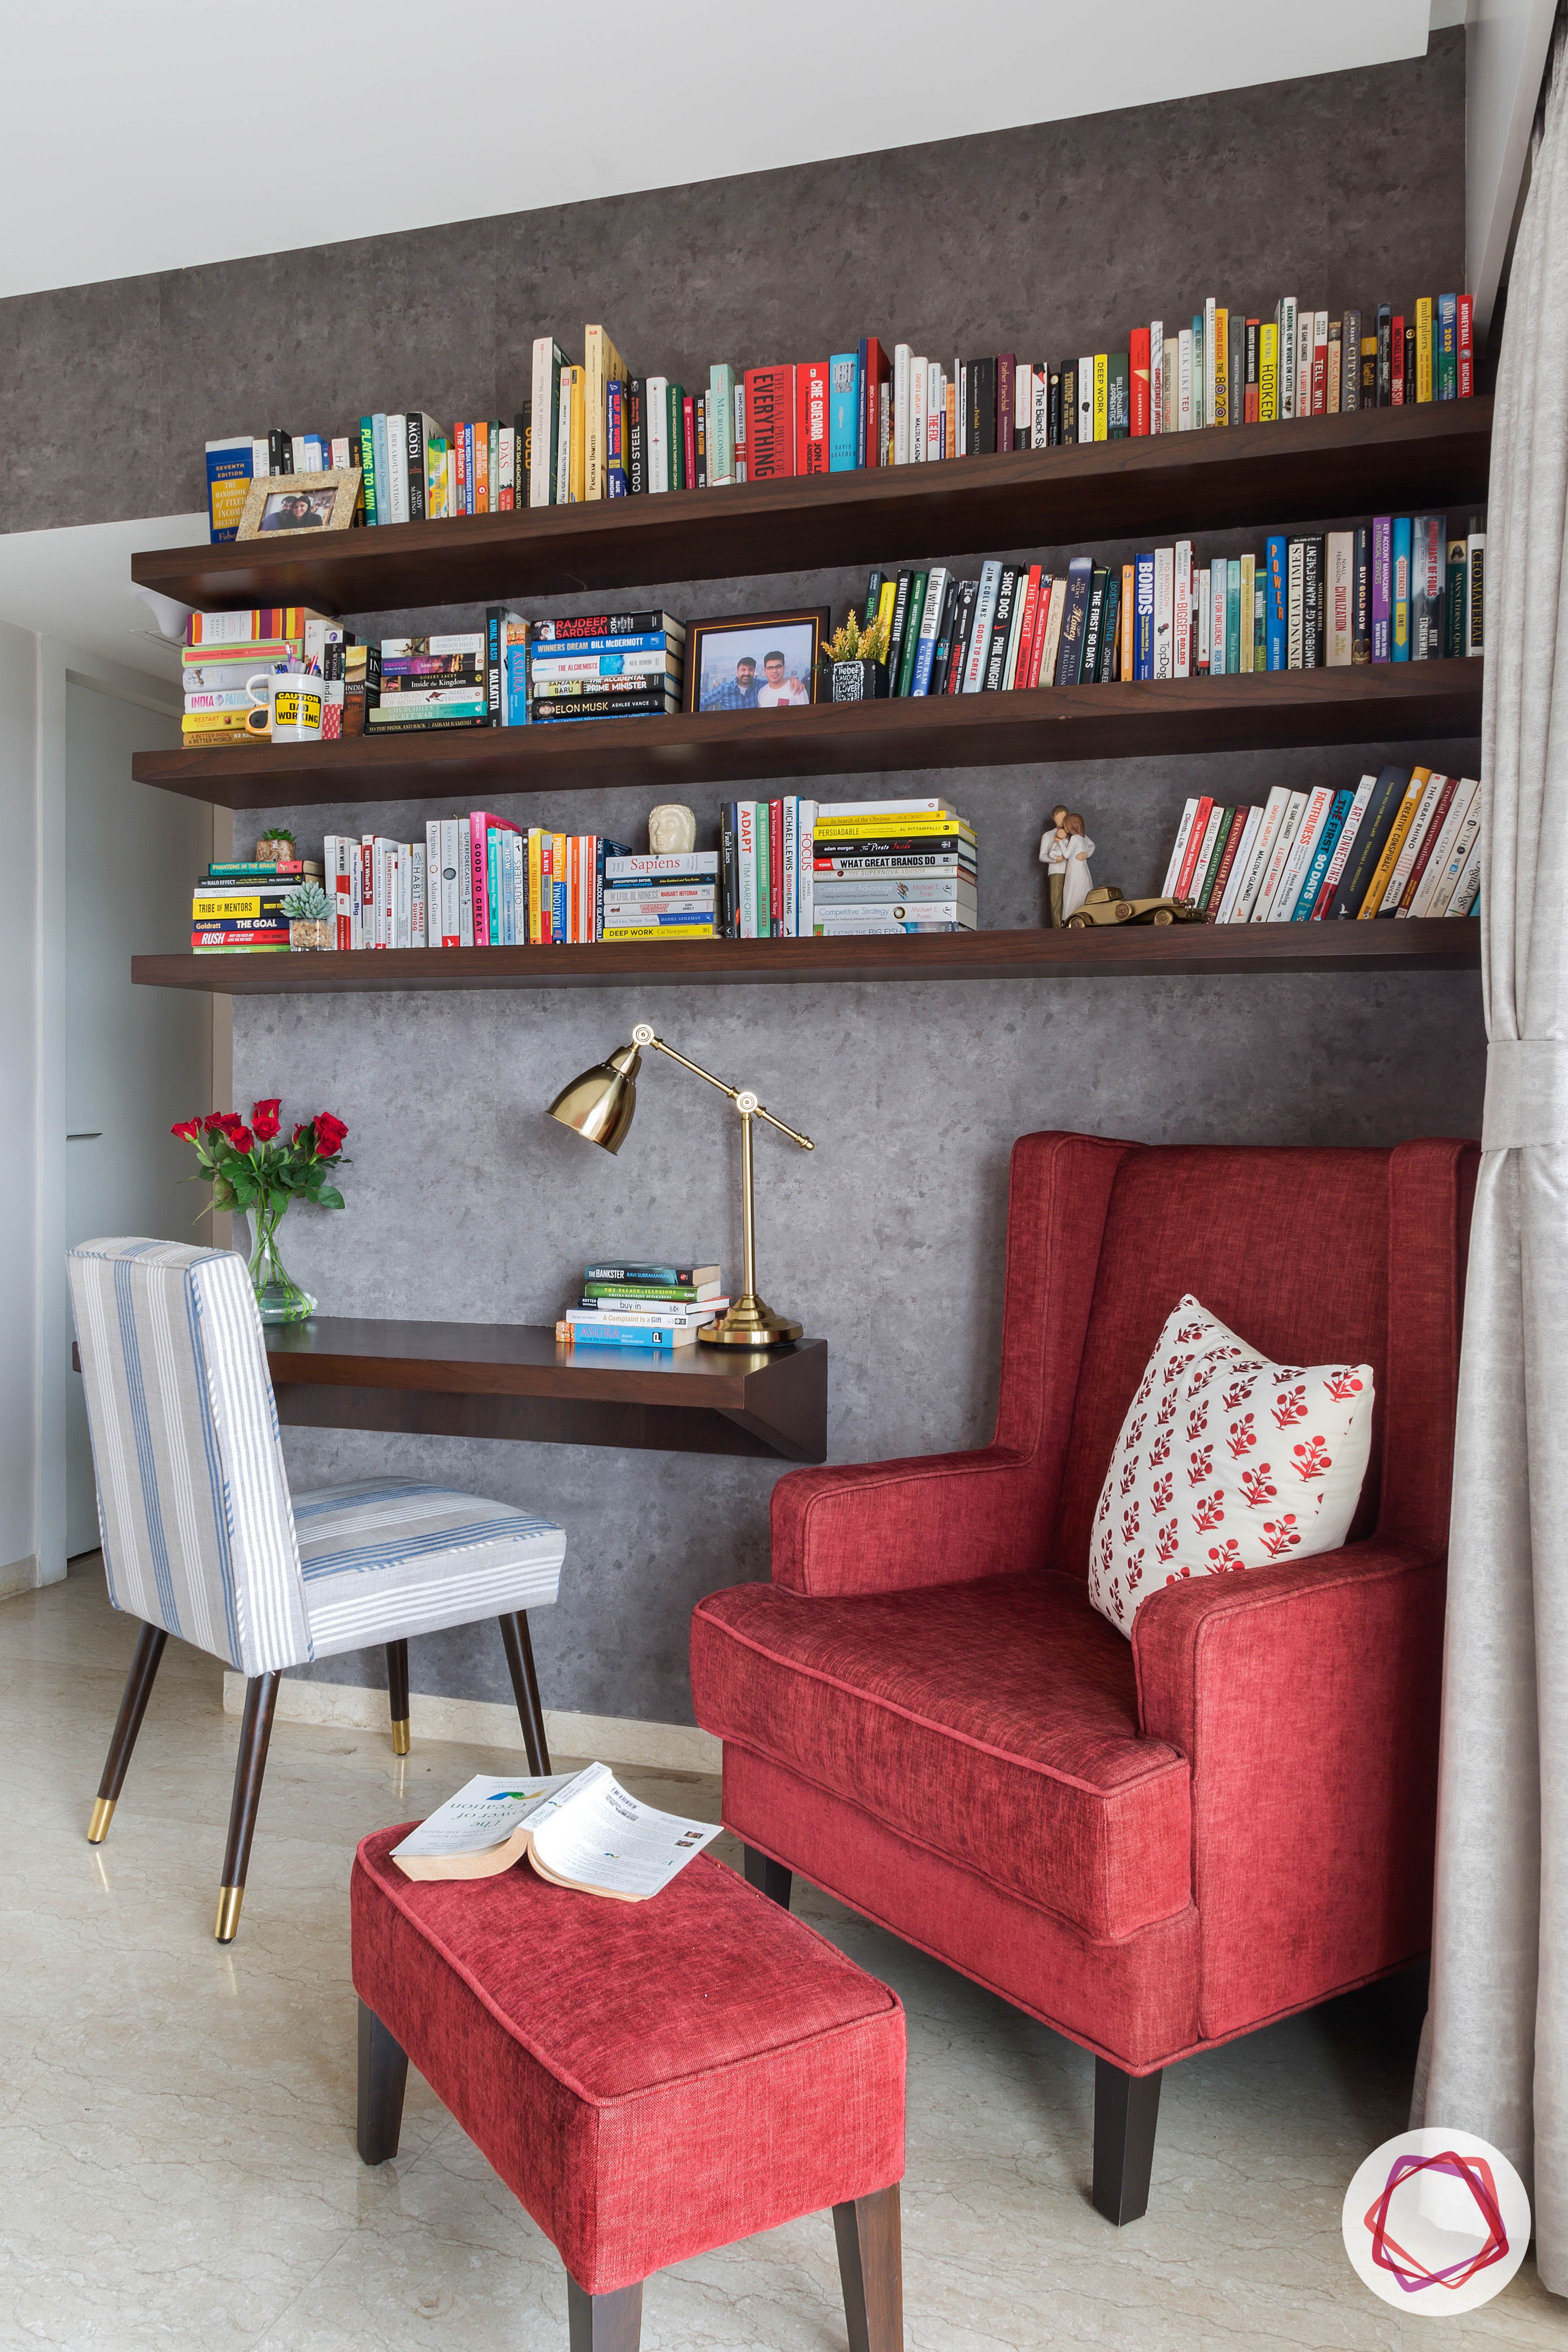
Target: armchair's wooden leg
255 1731
1126 2111
604 2323
383 2079
871 2267
768 1876
127 1724
397 1695
525 1687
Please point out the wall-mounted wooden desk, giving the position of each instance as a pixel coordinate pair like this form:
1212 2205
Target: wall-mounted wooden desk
511 1380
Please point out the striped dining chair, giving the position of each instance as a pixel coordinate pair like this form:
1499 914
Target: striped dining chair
203 1540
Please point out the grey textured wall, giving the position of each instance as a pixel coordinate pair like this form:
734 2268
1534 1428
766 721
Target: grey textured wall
465 1202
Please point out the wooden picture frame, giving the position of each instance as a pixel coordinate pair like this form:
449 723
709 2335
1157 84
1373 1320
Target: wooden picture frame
330 499
717 677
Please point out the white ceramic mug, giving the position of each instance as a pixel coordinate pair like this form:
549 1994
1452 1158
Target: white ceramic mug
288 705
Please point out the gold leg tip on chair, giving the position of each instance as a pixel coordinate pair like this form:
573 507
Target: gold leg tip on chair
401 1743
229 1899
103 1814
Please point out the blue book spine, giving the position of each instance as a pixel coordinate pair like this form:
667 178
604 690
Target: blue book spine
508 847
843 412
1399 602
1307 898
622 1334
1277 600
1143 617
382 473
558 905
517 686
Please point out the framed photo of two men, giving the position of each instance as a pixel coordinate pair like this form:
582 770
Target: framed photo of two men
763 661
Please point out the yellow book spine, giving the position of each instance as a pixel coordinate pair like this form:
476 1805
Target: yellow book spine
1268 372
1219 374
903 828
592 412
535 928
217 722
223 909
1424 348
578 464
661 931
885 604
1394 843
1101 394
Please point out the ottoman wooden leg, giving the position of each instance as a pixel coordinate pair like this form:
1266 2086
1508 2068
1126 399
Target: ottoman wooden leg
383 2079
604 2323
871 2265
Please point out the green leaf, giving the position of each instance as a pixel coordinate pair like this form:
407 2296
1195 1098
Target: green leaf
329 1197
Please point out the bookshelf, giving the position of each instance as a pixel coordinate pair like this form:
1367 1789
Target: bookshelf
1433 457
1178 950
1391 702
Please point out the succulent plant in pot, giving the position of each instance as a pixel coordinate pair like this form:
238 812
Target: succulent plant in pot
277 846
855 659
311 922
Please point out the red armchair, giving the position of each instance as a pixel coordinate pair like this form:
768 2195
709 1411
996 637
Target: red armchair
1150 1846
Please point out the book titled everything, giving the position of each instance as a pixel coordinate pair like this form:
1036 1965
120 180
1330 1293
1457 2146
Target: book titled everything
578 1830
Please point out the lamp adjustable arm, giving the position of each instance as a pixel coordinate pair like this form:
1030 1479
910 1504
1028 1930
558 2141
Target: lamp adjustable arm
745 1102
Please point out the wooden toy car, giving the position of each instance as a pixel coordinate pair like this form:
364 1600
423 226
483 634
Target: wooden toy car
1106 906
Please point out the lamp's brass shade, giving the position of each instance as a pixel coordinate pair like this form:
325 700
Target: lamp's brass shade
600 1103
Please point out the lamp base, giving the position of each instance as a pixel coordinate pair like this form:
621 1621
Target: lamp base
751 1323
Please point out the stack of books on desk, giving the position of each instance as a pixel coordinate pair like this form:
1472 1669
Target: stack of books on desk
638 1305
605 666
892 866
669 897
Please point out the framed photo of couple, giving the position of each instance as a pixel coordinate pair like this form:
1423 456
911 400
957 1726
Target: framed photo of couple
767 661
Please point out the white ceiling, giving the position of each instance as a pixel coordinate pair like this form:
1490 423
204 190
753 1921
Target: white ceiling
162 133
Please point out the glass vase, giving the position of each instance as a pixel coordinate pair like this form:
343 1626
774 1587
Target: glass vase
279 1296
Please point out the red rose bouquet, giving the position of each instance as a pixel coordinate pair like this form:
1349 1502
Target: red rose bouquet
250 1168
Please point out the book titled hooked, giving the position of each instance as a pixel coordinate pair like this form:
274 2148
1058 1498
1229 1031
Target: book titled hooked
579 1830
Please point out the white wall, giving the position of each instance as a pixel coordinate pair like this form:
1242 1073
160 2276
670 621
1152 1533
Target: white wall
1506 45
19 1109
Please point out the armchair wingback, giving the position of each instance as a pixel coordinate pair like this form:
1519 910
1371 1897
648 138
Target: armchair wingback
1229 1818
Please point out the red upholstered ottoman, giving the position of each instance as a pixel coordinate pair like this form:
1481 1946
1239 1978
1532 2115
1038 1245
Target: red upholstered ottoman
650 2079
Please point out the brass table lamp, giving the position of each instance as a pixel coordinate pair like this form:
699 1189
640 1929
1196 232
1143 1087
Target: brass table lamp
600 1104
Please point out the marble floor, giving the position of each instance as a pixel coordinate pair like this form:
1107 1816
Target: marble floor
177 2164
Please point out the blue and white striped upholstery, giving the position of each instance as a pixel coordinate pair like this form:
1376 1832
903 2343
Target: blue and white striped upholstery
390 1557
200 1535
192 1500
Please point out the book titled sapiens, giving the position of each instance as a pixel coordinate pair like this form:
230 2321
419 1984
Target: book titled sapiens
580 1830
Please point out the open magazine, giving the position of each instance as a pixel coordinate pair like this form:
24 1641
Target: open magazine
578 1829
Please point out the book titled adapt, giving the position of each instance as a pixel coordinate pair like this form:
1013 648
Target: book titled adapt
580 1830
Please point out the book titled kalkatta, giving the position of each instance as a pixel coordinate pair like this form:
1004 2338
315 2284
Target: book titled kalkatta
580 1830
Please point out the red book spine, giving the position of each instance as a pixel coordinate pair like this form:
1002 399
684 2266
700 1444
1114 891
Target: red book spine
1201 816
775 867
811 418
871 393
770 424
1006 370
1397 342
1466 353
1138 372
688 428
1028 626
1320 378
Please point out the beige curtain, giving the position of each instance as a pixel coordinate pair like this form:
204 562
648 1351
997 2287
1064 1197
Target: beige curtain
1495 2059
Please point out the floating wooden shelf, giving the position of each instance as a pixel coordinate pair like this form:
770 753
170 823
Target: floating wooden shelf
1386 703
1431 458
1186 950
512 1381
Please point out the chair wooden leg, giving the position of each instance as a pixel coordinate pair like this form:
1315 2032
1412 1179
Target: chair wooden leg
127 1724
871 2267
255 1731
397 1695
525 1687
768 1876
1126 2111
604 2323
383 2079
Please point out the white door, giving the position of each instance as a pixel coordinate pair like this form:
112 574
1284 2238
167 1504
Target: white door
137 1059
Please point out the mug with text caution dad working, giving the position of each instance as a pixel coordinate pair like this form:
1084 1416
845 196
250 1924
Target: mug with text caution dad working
288 705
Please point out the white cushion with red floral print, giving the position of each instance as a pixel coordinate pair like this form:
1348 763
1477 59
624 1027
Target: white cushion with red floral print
1226 1461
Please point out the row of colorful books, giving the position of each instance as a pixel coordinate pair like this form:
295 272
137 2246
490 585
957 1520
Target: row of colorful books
1403 843
1398 588
593 429
642 1305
